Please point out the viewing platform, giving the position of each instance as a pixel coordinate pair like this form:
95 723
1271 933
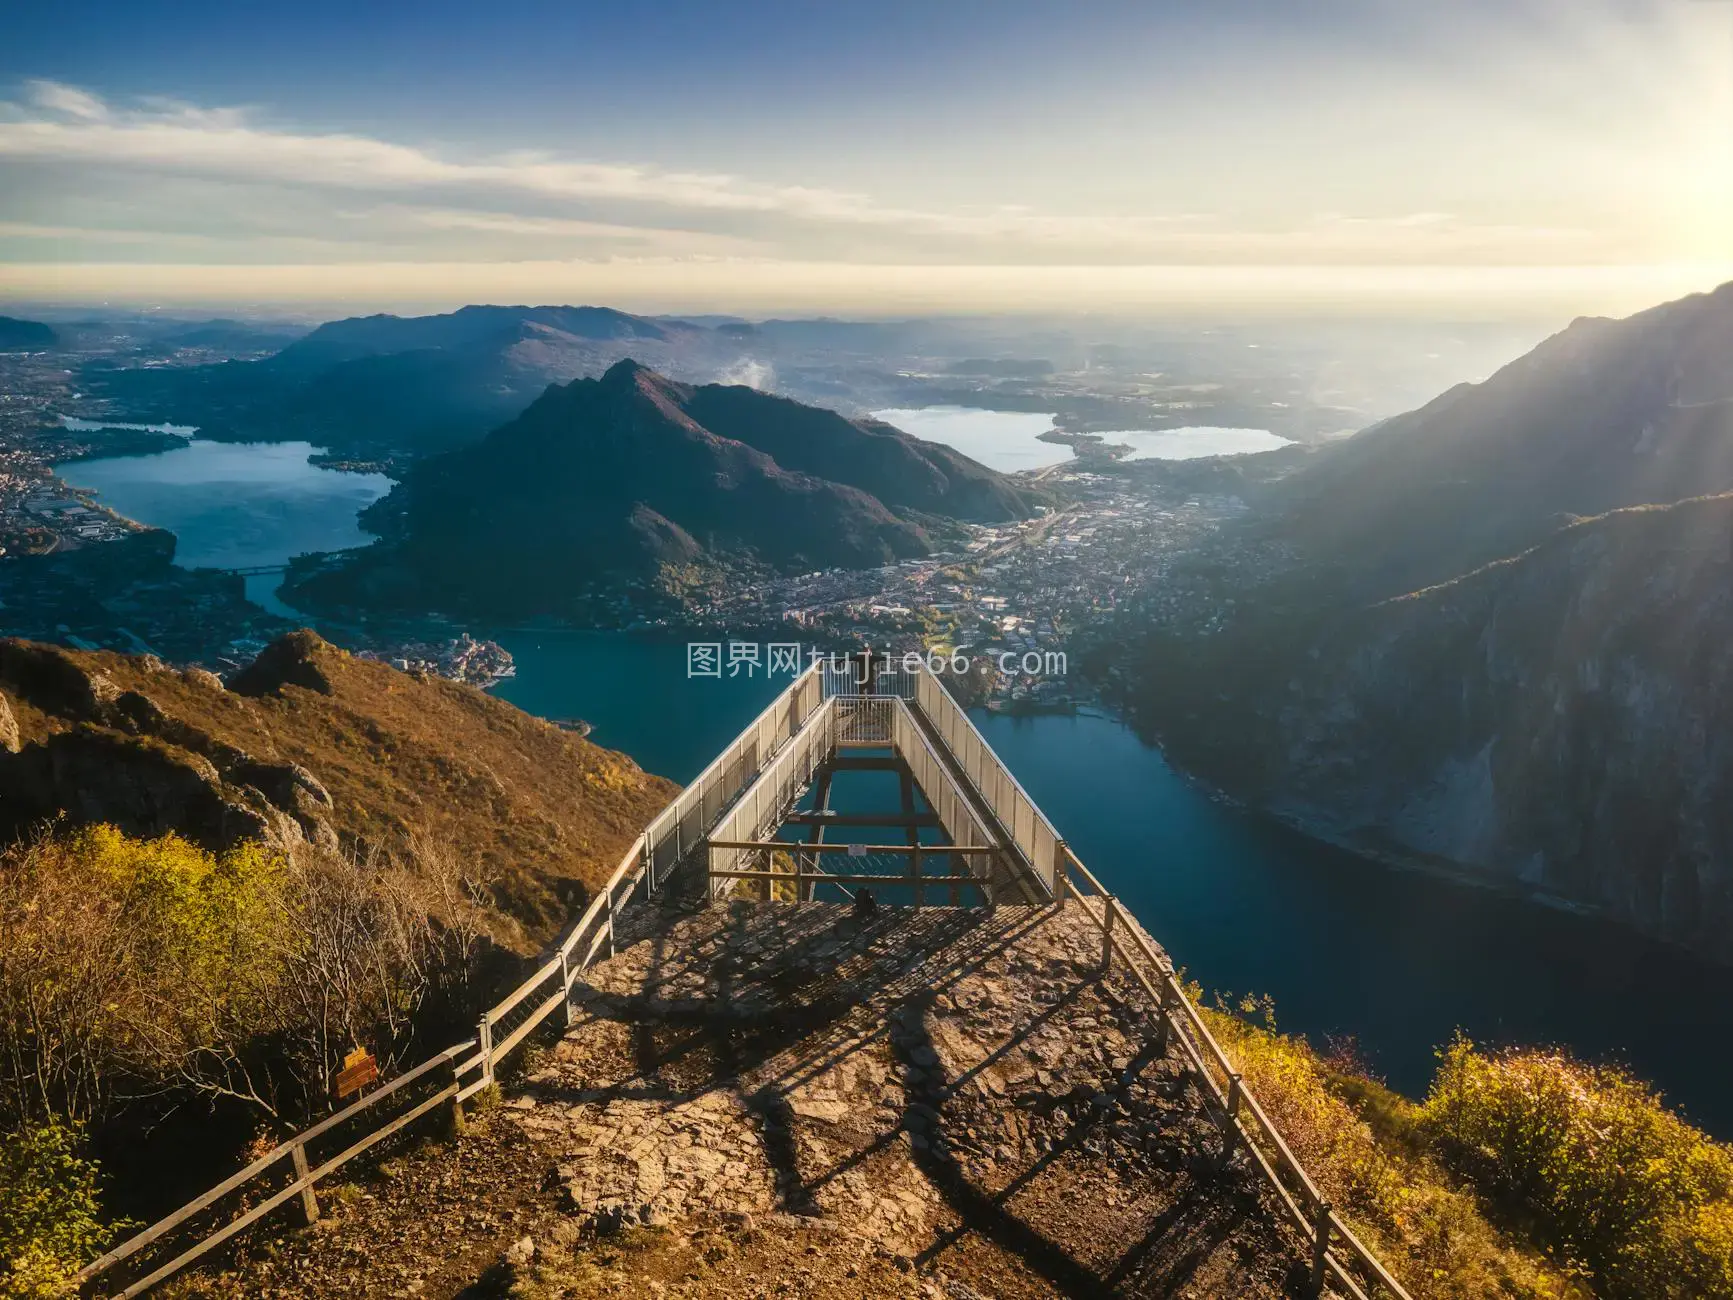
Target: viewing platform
851 987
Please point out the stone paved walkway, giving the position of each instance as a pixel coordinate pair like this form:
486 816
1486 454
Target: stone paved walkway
922 1079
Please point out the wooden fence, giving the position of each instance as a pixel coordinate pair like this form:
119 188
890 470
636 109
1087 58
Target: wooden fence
1337 1254
289 1172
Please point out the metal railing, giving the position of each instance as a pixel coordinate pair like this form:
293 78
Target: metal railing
736 802
1336 1253
798 868
1025 823
459 1072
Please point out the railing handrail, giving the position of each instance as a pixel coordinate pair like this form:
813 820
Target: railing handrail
482 1053
479 1052
1311 1212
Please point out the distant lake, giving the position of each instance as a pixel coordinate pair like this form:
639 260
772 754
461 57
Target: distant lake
235 505
1001 440
1195 441
86 426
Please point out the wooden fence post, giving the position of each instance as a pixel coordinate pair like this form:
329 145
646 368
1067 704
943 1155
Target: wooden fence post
610 920
309 1202
1231 1129
454 1115
1107 911
1320 1249
566 986
915 872
484 1034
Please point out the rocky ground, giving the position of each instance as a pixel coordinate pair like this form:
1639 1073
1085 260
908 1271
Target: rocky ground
780 1099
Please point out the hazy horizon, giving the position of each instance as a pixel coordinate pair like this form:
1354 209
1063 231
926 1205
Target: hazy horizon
1363 157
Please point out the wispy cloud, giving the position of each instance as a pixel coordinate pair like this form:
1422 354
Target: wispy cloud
670 209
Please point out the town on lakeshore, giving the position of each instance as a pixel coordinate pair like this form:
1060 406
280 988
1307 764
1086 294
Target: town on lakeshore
1115 539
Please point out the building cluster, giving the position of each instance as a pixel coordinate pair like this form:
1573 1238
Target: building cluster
1014 598
462 659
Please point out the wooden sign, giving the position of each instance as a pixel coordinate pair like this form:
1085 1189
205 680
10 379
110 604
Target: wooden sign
359 1070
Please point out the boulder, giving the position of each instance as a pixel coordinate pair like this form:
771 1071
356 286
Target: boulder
294 659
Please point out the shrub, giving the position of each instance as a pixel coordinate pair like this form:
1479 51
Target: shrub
1611 1178
142 967
1430 1232
50 1223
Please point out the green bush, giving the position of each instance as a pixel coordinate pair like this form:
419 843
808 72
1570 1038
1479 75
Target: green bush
1413 1214
1609 1177
50 1221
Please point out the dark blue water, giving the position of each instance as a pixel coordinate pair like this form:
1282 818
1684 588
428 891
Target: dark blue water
1397 961
635 692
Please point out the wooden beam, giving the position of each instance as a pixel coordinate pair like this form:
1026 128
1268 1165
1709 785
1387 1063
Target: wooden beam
820 820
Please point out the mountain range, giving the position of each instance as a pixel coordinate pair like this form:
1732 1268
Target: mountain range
631 475
1605 414
1501 647
25 335
391 386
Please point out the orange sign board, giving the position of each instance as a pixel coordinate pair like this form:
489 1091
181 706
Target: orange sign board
359 1070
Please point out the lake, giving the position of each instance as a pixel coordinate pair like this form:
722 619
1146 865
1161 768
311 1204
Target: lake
235 505
1195 441
1008 441
1001 440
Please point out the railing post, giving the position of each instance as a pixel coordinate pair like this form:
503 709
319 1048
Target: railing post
484 1032
309 1202
610 920
915 872
1107 911
566 985
1320 1249
1059 890
454 1115
1231 1130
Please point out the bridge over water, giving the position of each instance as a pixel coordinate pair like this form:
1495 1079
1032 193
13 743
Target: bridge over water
826 953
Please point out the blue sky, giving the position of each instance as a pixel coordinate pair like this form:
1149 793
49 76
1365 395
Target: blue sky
1095 155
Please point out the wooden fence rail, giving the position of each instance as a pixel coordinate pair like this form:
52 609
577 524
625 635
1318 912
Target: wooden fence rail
464 1069
1337 1254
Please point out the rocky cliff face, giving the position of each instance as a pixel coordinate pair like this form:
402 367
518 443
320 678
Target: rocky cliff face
310 744
1603 415
1562 720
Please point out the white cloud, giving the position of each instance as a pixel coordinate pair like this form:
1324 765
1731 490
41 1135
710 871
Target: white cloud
537 204
56 97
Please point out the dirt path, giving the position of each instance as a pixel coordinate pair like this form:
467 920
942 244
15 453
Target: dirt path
778 1099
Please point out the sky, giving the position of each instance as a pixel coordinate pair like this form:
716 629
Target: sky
871 157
